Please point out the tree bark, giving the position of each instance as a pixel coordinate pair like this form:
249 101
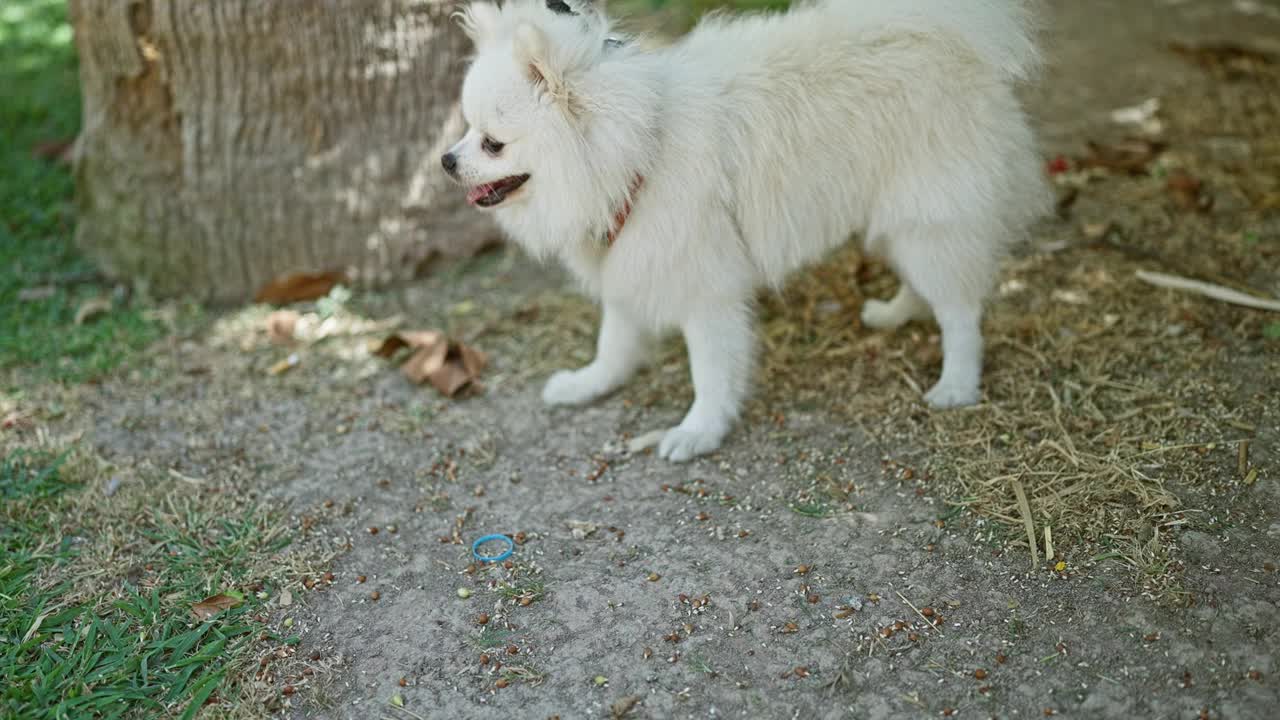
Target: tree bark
227 142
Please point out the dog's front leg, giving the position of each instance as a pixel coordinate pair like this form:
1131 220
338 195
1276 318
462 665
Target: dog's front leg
621 348
720 347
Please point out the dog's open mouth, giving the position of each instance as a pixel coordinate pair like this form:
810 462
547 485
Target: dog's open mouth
490 194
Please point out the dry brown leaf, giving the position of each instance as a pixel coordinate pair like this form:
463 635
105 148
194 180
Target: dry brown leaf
57 151
1131 156
213 605
281 325
623 706
92 309
298 287
1188 192
1226 58
448 365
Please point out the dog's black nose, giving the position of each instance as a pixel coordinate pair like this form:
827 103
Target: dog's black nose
450 163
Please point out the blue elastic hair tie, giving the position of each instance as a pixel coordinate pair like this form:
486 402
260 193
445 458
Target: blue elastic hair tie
475 548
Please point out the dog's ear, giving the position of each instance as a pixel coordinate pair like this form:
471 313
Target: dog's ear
533 50
479 20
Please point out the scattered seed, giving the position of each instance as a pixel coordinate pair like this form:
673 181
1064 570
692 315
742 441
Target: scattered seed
308 672
288 690
484 659
520 538
790 627
1255 675
328 503
526 600
802 570
913 637
886 632
984 689
392 529
1048 712
360 578
899 626
672 637
801 672
482 619
703 516
743 533
328 577
1151 637
404 682
843 613
814 599
926 611
1000 658
980 674
373 531
654 577
501 683
648 653
375 596
513 650
315 656
507 564
948 712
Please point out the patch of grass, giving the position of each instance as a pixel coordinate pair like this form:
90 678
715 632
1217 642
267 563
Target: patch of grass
96 597
43 279
491 637
530 591
812 508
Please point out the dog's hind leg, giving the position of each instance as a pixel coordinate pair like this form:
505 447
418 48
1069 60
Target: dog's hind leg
622 347
952 270
906 305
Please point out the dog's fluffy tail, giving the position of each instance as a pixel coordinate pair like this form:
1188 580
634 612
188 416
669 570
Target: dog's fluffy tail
1003 33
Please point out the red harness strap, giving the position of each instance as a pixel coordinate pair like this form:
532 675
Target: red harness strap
620 217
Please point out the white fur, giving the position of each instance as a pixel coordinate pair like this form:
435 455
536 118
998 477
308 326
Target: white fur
764 142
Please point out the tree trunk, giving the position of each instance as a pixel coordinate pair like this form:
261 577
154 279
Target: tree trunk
227 142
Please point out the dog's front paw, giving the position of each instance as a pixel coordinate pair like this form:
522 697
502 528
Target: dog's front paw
950 395
571 387
881 315
682 444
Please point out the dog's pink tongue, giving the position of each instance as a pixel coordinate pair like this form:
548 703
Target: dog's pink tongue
476 193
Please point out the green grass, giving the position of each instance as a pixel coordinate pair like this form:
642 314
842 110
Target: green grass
40 103
95 598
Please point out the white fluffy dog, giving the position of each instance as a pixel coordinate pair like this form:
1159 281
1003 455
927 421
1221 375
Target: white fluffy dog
676 182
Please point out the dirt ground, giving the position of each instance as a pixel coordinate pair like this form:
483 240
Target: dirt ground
727 587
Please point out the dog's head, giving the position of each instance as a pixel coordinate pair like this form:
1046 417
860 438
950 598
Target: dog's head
521 98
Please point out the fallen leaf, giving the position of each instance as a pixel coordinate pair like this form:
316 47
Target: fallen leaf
215 604
92 309
581 530
623 706
58 151
1188 192
1227 59
286 598
1131 156
298 287
281 325
447 364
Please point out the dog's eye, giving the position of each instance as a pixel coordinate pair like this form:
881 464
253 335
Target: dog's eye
491 146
